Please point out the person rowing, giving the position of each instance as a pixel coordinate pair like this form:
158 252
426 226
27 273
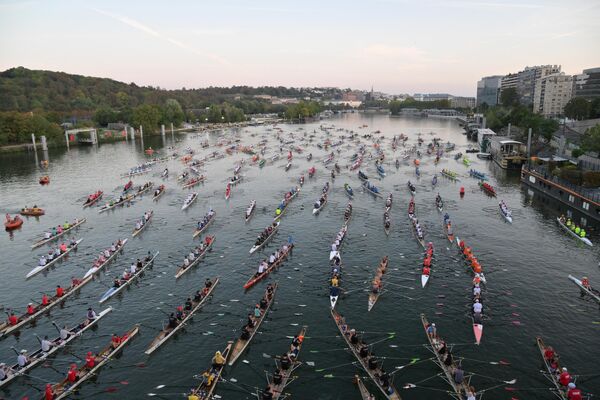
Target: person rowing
477 307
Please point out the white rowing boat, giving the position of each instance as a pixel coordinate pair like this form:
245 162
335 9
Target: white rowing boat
65 231
595 294
49 264
189 200
267 239
95 269
505 212
125 283
576 236
317 210
137 231
185 268
250 210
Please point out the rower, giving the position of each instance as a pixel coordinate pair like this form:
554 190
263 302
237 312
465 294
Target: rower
90 360
91 315
476 290
23 358
48 392
133 268
245 333
46 344
172 321
63 247
574 393
334 291
585 282
74 282
30 309
45 300
117 282
257 311
431 331
208 283
458 375
179 313
64 333
335 281
72 374
261 268
59 291
250 322
188 304
477 307
126 275
565 377
218 360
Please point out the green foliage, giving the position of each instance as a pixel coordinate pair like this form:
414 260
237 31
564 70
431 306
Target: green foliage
591 139
16 128
396 106
105 115
521 116
577 152
148 116
578 108
509 97
173 113
303 110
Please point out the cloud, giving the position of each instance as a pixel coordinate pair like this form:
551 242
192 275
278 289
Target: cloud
484 4
212 32
149 31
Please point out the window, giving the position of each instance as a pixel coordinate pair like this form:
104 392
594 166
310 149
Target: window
583 221
571 198
586 205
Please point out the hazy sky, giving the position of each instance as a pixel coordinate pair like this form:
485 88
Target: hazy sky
397 46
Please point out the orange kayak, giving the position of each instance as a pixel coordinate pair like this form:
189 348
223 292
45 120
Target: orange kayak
32 211
12 223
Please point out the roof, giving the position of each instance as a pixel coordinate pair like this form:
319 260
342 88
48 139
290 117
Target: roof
504 140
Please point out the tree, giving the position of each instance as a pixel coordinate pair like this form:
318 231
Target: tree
591 139
595 108
578 108
148 116
509 97
173 113
105 115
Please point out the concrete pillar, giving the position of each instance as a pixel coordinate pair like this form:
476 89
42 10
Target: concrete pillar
162 130
33 141
44 144
529 148
67 139
141 132
508 133
171 129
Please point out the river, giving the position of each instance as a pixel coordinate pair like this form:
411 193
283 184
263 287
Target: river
526 265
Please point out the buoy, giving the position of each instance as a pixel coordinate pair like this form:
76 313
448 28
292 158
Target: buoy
462 191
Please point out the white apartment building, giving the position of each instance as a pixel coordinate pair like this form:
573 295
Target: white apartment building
552 93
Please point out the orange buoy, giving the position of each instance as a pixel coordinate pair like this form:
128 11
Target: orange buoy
462 191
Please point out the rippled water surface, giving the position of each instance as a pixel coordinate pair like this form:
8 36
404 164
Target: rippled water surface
526 264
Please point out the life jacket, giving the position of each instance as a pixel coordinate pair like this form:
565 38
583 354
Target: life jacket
60 292
72 375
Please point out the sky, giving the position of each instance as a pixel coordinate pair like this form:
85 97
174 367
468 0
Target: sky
396 46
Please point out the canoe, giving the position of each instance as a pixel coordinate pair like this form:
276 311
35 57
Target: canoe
167 332
481 275
250 210
286 375
32 212
108 206
63 390
559 390
576 236
49 264
318 209
187 203
364 392
125 283
373 297
183 268
65 231
373 373
256 278
507 215
348 190
137 231
91 203
205 392
593 293
162 189
95 269
371 189
40 356
286 204
241 344
199 231
267 239
5 328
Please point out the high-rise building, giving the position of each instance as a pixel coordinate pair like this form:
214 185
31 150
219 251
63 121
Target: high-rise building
488 90
462 102
552 93
587 84
524 81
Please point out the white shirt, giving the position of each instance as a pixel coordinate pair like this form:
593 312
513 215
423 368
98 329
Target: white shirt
46 345
138 225
477 307
22 360
186 262
272 259
106 253
333 247
43 261
476 290
261 268
133 268
2 374
64 334
191 256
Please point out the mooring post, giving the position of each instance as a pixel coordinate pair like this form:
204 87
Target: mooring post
33 140
44 144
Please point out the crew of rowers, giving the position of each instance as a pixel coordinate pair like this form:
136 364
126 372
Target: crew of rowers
449 173
371 187
145 218
321 201
366 355
208 378
427 260
139 169
273 258
504 208
197 251
235 179
182 311
286 361
339 238
348 212
562 375
571 225
285 200
133 269
193 181
458 375
190 197
470 257
107 253
265 234
159 190
206 219
59 229
376 284
438 201
92 197
57 252
388 201
257 313
411 187
414 220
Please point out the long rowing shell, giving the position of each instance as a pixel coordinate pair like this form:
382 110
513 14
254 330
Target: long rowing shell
94 269
44 241
41 268
115 290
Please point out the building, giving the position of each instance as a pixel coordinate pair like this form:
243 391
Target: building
552 93
432 96
587 84
484 136
507 153
524 81
488 90
462 102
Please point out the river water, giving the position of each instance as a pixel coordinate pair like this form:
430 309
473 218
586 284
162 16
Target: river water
526 265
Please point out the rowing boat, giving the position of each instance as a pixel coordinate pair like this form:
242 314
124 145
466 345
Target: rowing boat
286 374
450 174
193 182
371 189
318 209
460 391
489 189
211 218
5 328
342 234
380 170
267 239
250 210
576 236
595 294
375 293
439 203
185 268
559 390
137 231
95 268
348 190
65 231
63 390
110 206
256 278
364 392
40 356
390 391
49 264
167 331
505 212
89 203
362 176
161 190
241 344
143 189
286 203
481 275
189 200
204 391
123 283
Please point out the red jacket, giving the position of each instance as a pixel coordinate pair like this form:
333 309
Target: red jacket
574 394
564 378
